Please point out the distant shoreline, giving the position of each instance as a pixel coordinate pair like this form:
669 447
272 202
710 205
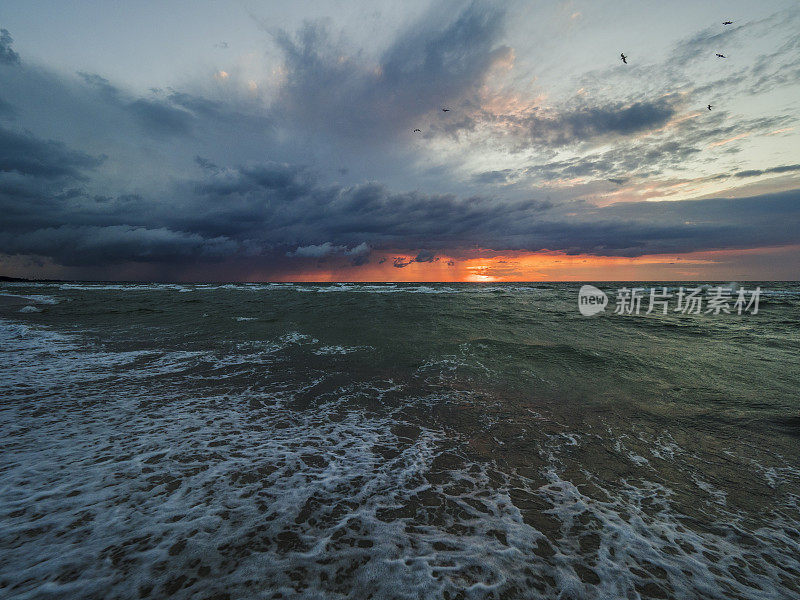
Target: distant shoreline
7 279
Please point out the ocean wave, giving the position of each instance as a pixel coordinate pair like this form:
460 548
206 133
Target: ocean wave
35 298
124 287
340 350
305 458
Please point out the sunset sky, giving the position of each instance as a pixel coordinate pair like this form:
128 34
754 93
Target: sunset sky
247 140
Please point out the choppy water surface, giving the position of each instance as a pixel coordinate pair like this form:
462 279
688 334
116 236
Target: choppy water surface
393 441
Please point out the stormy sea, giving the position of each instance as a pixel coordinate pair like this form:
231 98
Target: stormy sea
402 441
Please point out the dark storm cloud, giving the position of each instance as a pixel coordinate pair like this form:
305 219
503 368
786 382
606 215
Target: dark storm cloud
757 172
206 164
591 122
7 54
493 176
425 256
209 110
645 159
272 178
436 61
297 209
92 245
635 228
650 156
280 212
24 154
328 249
6 110
273 210
572 125
101 84
169 112
47 212
60 202
155 116
359 261
429 67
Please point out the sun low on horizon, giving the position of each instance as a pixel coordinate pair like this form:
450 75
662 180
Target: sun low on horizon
374 141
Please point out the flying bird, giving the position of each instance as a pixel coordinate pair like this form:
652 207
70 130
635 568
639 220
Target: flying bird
727 22
623 58
445 110
416 130
721 55
709 107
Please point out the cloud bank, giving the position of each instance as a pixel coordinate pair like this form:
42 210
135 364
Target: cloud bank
93 175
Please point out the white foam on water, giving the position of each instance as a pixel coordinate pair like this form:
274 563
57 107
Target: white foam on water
125 287
98 490
340 350
663 446
717 494
122 477
777 475
442 367
295 337
630 454
377 289
642 542
35 298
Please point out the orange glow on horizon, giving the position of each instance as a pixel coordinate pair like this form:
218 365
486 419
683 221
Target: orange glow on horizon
490 266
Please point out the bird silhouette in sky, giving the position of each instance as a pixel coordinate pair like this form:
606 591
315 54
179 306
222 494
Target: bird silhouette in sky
727 22
445 110
709 107
416 130
623 58
721 55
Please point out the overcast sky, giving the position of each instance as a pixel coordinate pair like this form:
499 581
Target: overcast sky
275 140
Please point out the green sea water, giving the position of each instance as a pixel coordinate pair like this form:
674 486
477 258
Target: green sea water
394 441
